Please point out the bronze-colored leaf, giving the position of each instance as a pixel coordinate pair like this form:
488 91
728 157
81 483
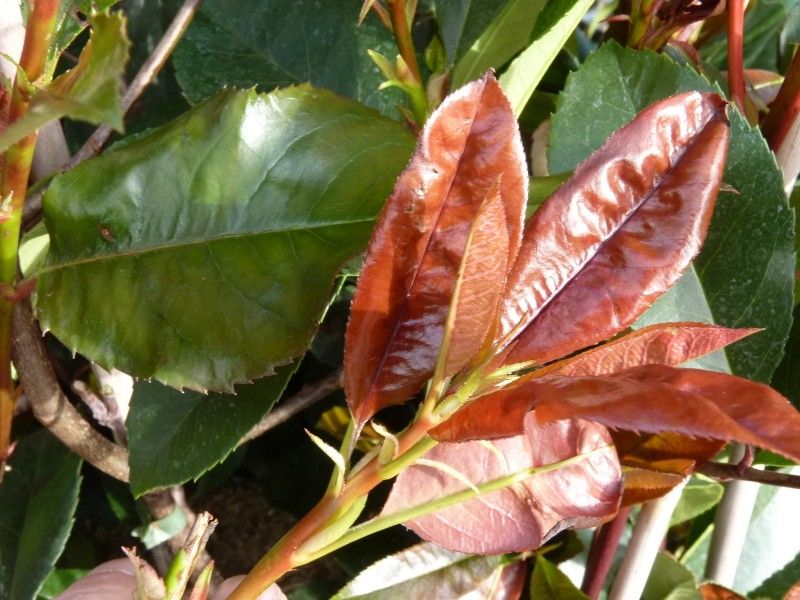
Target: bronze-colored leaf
500 414
403 296
642 485
619 232
690 402
526 514
714 591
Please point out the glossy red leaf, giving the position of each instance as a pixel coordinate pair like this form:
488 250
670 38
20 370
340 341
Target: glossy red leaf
642 485
690 402
526 514
470 144
714 591
479 285
619 232
500 414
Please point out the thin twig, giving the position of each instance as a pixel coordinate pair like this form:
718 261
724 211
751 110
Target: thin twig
725 472
308 395
51 407
145 76
601 553
736 52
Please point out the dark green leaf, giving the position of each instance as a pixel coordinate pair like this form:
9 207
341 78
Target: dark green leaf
89 92
549 583
777 584
38 498
282 42
763 28
461 23
203 253
744 275
175 437
670 580
787 376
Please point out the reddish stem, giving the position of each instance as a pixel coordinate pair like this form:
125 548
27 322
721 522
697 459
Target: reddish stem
785 108
736 52
402 34
601 553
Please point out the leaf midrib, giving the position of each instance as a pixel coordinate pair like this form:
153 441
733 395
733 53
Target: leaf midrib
195 242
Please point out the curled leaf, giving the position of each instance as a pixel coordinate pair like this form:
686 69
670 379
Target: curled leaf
619 232
526 514
403 296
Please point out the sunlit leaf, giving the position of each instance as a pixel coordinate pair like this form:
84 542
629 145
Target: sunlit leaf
669 580
528 513
469 145
549 583
203 253
427 571
90 91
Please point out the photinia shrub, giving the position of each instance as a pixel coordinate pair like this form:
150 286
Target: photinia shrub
536 278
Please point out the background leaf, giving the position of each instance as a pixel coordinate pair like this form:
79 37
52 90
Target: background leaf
90 91
428 571
175 437
282 42
203 253
506 34
461 23
669 580
745 272
553 27
697 497
549 583
38 499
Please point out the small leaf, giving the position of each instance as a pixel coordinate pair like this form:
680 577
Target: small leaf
203 253
698 496
670 580
687 401
90 91
628 222
713 591
525 515
148 585
38 499
175 436
555 24
427 571
549 583
404 292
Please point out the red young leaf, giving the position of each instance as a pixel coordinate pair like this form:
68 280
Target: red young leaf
470 144
526 514
642 485
713 591
619 232
500 414
691 402
480 283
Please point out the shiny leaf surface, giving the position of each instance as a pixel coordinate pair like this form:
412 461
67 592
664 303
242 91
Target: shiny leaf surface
283 42
549 583
744 275
90 91
427 571
526 514
687 401
462 22
469 145
38 499
217 236
620 231
500 414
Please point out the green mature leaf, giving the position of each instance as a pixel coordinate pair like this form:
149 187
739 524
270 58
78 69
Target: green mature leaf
777 584
508 33
698 496
787 376
90 91
283 42
38 499
428 571
763 29
203 253
462 22
175 437
553 28
670 580
549 583
744 276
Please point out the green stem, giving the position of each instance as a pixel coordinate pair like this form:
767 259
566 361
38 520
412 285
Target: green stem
415 512
17 166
